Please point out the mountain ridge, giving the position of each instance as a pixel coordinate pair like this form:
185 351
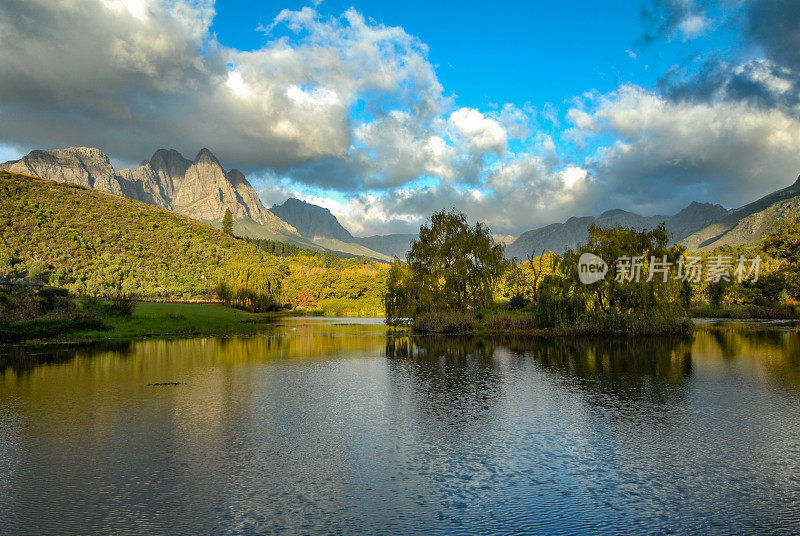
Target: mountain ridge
202 189
199 188
749 222
311 221
558 237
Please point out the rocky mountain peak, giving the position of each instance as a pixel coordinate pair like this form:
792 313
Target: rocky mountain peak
237 177
311 220
170 162
200 188
86 166
206 156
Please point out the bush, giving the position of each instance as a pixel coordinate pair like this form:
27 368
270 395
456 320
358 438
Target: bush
507 322
444 322
644 322
518 301
122 308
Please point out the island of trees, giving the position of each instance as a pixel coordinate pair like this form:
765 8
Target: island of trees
456 280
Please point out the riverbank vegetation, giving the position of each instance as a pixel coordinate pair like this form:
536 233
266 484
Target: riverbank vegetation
775 293
48 314
95 246
454 282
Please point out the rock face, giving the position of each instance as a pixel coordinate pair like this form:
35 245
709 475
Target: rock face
394 245
311 221
76 165
558 237
200 188
748 223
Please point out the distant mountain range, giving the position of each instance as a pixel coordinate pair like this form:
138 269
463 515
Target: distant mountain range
318 224
311 220
202 189
558 237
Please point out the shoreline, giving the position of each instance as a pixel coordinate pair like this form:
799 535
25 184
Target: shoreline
190 319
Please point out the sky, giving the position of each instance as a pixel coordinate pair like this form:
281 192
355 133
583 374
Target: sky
518 113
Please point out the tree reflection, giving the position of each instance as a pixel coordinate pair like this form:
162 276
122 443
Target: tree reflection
653 368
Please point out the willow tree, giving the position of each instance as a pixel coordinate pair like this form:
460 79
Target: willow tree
247 284
638 290
450 267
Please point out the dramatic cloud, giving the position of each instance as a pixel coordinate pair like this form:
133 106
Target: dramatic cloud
769 80
134 76
667 151
773 25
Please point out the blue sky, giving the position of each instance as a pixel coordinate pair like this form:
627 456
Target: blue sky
538 51
518 113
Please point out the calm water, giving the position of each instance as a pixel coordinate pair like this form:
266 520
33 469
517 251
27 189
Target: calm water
315 427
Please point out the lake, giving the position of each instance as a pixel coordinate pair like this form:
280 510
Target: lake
322 426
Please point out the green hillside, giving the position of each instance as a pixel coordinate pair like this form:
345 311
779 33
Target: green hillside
102 244
748 224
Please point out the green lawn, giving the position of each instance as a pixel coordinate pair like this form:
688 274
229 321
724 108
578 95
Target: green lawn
169 320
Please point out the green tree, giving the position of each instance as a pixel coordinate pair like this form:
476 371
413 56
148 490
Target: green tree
247 284
451 267
784 246
227 222
620 243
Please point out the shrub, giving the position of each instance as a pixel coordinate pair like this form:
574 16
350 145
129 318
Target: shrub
122 308
518 301
444 322
507 322
658 321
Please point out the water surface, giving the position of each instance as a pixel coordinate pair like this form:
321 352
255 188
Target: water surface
323 427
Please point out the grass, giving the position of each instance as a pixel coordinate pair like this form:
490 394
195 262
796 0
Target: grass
747 312
612 323
168 320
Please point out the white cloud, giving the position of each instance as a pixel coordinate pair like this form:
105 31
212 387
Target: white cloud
132 76
729 152
693 26
479 131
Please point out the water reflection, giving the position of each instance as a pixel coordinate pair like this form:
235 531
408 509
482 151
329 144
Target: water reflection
315 427
623 367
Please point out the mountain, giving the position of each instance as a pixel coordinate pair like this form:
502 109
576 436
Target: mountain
200 188
393 245
318 225
558 237
98 243
311 221
748 223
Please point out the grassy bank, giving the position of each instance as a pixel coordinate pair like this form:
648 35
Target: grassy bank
611 323
147 320
745 312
